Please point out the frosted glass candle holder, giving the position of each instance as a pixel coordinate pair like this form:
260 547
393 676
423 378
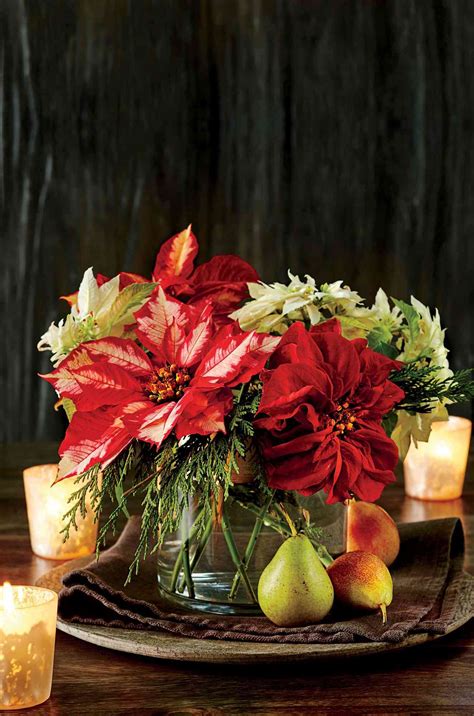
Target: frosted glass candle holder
435 470
47 504
27 634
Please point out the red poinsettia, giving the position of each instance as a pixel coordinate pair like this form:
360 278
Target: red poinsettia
183 384
323 401
222 280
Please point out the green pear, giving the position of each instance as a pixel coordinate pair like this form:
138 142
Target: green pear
294 588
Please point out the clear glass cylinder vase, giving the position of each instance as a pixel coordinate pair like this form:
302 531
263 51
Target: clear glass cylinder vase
214 566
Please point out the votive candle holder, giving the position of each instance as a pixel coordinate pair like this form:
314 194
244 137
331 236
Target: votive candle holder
435 470
27 635
47 503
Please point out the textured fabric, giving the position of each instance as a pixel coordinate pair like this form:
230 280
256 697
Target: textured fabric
431 592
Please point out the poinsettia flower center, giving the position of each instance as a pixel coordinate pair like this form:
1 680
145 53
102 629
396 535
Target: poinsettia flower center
343 419
167 383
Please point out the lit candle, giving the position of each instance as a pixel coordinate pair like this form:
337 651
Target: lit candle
27 632
435 470
47 504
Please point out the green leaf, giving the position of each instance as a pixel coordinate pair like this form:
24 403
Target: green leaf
69 408
389 422
379 340
411 315
387 350
379 334
363 324
120 501
129 300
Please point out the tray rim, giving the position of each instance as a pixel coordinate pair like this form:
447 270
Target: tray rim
175 647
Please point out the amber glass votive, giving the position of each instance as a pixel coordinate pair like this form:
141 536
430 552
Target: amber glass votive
435 470
47 504
27 634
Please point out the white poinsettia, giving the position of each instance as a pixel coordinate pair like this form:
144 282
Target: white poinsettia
422 341
415 428
427 341
386 321
338 298
383 313
97 311
274 307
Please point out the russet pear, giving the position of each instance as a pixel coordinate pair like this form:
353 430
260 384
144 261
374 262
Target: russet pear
294 588
371 529
362 581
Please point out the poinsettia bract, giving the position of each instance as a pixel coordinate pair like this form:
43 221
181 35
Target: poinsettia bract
182 382
323 401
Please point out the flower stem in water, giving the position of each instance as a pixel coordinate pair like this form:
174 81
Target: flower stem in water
231 546
251 545
187 570
179 559
198 553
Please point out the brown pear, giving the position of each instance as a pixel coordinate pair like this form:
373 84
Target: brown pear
362 581
371 529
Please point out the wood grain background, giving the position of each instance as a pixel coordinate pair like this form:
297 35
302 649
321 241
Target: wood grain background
333 137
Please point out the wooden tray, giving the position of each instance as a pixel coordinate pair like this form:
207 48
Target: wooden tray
163 645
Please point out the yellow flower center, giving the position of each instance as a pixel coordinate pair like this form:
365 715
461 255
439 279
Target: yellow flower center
343 419
167 383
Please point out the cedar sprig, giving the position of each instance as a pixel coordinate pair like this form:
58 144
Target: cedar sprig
423 388
87 483
196 468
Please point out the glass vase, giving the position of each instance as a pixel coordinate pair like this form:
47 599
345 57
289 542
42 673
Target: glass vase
213 565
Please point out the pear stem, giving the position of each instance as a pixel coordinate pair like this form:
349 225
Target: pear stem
251 543
294 532
383 609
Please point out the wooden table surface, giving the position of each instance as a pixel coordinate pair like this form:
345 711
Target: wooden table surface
434 678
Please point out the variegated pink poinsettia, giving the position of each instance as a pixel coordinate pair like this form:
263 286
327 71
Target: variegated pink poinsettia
121 392
222 280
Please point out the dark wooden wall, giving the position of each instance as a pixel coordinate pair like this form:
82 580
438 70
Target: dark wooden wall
333 137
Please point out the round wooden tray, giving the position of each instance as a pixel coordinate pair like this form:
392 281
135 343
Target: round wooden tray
163 645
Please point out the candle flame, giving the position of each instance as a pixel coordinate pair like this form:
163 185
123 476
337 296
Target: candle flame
8 602
441 449
55 507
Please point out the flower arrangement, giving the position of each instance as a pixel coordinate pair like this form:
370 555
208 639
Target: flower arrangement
205 384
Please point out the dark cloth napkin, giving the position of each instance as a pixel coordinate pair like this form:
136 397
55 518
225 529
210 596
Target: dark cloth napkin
431 593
